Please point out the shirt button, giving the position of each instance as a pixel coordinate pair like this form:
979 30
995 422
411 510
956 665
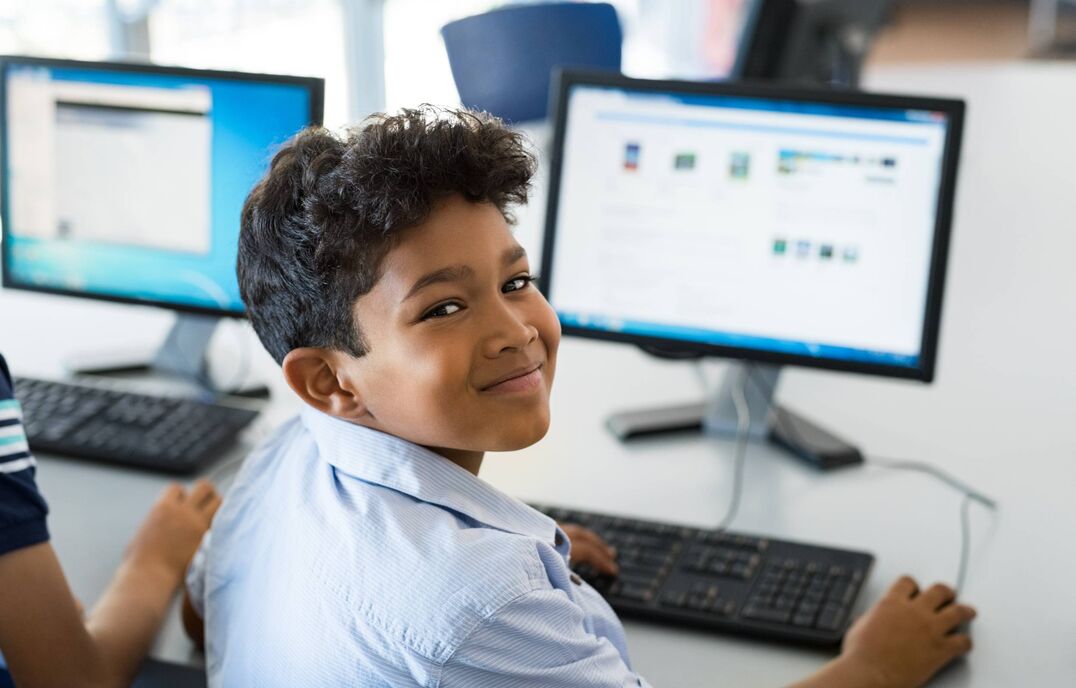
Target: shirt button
575 579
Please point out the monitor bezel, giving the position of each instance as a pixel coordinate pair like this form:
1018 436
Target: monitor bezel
925 368
315 86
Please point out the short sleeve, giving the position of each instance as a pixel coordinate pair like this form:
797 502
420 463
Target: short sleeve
538 639
195 581
22 508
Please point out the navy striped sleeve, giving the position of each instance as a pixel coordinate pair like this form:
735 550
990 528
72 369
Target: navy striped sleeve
22 508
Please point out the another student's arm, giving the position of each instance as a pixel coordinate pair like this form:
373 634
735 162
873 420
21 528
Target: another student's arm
42 636
901 642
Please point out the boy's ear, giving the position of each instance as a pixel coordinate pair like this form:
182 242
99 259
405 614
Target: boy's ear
319 377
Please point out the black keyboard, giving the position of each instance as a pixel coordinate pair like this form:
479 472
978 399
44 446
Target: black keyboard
726 581
169 435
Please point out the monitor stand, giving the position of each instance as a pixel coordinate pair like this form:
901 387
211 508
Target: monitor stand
718 416
183 354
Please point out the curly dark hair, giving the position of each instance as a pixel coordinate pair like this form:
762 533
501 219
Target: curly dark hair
316 228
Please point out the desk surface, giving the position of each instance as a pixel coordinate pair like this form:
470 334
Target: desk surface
1000 416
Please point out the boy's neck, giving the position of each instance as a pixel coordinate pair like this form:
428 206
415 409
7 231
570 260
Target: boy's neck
471 461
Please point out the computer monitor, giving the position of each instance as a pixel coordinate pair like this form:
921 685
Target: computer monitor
765 224
124 182
820 42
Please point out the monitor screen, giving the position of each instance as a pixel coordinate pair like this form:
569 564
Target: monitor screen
751 222
126 182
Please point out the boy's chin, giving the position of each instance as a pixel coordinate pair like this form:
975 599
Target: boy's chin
520 438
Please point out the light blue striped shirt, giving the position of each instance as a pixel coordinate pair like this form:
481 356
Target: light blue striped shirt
347 557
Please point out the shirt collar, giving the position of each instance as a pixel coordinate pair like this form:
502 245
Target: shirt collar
382 459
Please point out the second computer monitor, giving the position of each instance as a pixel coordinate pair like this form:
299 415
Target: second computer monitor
125 182
764 224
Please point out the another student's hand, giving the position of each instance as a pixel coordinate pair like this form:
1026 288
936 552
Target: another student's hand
908 635
172 531
589 548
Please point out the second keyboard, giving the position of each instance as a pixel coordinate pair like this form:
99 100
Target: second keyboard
725 581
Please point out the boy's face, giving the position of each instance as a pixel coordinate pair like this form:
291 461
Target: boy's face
461 345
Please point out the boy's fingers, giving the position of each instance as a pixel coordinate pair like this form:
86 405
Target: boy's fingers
937 596
577 534
959 644
904 588
596 540
955 614
202 492
173 493
586 552
210 508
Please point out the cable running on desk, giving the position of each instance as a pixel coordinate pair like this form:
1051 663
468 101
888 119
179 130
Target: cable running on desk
969 494
743 428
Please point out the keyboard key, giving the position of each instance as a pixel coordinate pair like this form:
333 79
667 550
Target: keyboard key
803 619
638 593
771 615
831 618
784 602
842 593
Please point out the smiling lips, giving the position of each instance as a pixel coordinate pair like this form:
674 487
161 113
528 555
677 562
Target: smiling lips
521 380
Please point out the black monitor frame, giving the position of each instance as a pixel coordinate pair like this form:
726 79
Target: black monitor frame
954 110
788 40
315 85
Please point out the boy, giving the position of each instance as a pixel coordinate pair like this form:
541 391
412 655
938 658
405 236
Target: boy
358 547
43 637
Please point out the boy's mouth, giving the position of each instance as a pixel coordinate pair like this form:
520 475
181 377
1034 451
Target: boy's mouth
520 379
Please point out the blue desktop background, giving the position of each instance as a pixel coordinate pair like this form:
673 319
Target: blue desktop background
250 120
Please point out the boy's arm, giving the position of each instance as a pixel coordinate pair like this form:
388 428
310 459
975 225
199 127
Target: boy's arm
901 642
44 640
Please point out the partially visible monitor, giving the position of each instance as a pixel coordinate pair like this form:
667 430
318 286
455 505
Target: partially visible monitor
820 42
759 223
125 182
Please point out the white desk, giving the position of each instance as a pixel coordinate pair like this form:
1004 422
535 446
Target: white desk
1000 415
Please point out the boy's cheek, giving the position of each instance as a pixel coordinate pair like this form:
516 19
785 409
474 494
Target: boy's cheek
549 329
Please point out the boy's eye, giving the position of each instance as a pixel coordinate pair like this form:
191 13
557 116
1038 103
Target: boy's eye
517 283
442 310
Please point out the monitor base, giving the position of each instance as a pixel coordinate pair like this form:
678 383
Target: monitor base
183 354
769 422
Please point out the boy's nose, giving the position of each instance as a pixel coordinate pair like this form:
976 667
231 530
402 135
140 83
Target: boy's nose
511 332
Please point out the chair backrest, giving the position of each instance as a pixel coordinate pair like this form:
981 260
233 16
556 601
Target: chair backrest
502 60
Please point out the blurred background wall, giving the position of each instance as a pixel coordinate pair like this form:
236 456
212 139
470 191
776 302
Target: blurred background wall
388 53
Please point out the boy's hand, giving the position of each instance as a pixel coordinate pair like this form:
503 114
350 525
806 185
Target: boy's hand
172 531
588 548
908 635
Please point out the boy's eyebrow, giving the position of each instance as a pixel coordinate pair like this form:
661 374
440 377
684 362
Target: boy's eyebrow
453 273
457 273
513 254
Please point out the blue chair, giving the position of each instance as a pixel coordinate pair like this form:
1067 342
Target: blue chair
502 60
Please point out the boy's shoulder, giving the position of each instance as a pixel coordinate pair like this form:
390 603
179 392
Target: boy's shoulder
435 586
414 554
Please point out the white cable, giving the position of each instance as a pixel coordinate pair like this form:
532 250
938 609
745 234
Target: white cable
743 426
